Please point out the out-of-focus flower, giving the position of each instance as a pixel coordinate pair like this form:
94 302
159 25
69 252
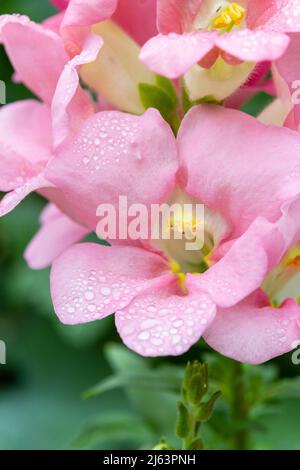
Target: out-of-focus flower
225 39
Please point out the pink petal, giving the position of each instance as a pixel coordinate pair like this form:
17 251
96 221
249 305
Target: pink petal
247 261
286 18
25 142
71 106
12 199
138 20
61 4
254 332
263 162
50 212
90 281
116 154
174 54
162 323
253 46
38 67
54 22
287 70
259 12
177 15
56 235
79 17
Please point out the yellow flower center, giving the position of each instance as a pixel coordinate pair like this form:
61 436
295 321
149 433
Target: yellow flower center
230 16
292 259
175 269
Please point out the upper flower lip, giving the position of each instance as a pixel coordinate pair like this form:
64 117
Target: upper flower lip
178 48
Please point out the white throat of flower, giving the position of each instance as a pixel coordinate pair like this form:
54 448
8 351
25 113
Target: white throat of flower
205 231
284 280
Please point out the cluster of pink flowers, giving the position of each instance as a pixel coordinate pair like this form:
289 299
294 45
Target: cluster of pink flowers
79 151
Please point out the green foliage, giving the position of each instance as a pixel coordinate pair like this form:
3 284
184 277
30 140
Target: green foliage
161 96
114 429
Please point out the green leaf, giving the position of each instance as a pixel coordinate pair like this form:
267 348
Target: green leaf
183 421
163 379
166 85
288 388
114 429
163 97
154 97
86 333
206 409
122 359
143 400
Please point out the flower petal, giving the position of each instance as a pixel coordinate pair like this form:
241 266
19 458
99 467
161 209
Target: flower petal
139 21
58 232
253 46
23 157
116 154
259 12
12 199
286 17
172 55
20 37
90 281
286 72
71 106
78 19
162 323
176 15
61 4
254 332
244 266
263 162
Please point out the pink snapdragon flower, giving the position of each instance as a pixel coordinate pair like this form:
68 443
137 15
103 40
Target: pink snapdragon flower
286 72
117 72
198 31
267 322
31 130
163 298
139 21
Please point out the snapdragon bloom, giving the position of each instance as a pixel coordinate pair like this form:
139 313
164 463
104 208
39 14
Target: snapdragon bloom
32 129
163 298
226 38
117 72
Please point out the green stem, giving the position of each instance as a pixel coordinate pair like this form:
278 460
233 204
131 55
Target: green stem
194 428
240 409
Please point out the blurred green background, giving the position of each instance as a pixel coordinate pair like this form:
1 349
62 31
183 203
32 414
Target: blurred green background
49 365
